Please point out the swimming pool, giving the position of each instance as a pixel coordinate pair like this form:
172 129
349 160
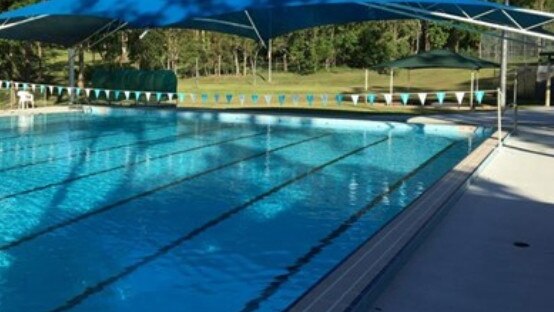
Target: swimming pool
140 210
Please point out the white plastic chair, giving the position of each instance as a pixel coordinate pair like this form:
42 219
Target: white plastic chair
26 99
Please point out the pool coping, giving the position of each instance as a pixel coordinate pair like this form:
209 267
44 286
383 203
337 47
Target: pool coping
357 281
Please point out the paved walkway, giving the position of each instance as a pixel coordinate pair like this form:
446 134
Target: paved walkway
477 258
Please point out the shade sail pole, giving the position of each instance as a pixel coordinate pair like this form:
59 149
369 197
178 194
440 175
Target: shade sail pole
391 87
504 64
472 90
255 28
71 58
25 21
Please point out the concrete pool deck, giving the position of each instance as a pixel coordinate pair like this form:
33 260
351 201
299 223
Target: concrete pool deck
477 258
35 111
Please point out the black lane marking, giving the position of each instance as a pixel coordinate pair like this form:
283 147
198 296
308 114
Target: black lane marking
300 262
161 140
128 165
121 202
206 226
26 147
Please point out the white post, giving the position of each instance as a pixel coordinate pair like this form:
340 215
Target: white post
548 89
499 109
270 60
504 64
71 58
516 121
391 84
472 90
366 80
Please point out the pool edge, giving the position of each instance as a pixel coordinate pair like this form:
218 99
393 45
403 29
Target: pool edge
359 279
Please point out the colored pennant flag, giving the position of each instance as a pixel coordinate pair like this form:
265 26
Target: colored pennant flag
405 97
181 97
282 98
193 97
355 98
137 95
127 95
148 96
33 88
310 99
255 98
440 97
25 87
339 98
216 98
460 97
42 89
268 98
16 85
480 96
107 94
422 98
87 92
170 96
117 94
371 98
204 98
158 97
242 99
295 100
51 89
60 90
96 93
388 98
325 99
69 90
229 98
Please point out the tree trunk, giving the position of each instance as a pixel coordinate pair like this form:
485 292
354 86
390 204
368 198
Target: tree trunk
244 64
424 44
285 63
81 64
237 64
219 66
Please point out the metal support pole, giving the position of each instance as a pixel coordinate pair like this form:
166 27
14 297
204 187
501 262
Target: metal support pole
71 58
504 63
499 109
516 121
366 80
548 89
472 91
391 83
270 61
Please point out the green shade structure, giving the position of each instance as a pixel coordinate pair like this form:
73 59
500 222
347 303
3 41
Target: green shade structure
438 59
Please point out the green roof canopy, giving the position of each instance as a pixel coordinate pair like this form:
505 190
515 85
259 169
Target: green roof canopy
439 59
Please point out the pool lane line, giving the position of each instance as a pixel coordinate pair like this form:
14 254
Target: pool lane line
128 165
305 259
132 198
62 142
98 287
166 139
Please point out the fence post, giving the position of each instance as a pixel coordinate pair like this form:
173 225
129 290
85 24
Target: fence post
516 121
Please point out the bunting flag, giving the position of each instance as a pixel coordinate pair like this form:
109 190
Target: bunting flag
60 90
69 90
460 97
51 89
339 98
242 99
148 96
117 93
371 98
25 87
282 99
158 97
255 98
193 97
204 98
405 97
440 97
268 98
8 84
181 97
42 89
97 93
388 98
355 99
34 88
216 98
310 99
137 95
480 96
170 96
295 99
324 99
229 98
16 85
127 95
422 98
107 94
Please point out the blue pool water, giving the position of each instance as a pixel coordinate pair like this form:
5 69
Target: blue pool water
136 210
